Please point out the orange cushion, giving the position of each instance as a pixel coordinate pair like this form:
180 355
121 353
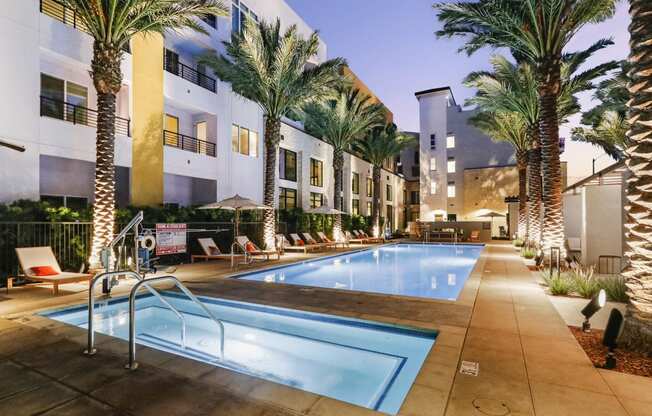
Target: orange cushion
250 247
214 251
43 271
300 243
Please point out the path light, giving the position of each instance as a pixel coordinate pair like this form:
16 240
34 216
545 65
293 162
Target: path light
592 307
610 339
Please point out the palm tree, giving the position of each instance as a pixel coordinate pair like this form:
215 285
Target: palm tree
510 127
382 144
112 23
637 331
536 31
273 69
340 121
513 88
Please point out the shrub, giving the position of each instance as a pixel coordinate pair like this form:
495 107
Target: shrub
586 285
518 243
558 285
615 288
528 253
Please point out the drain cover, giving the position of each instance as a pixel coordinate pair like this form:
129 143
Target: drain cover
491 407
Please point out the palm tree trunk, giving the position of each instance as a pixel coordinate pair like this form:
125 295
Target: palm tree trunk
107 78
338 166
637 332
534 185
553 216
375 204
521 163
272 139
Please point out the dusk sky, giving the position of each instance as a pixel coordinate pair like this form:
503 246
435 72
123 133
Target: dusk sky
391 46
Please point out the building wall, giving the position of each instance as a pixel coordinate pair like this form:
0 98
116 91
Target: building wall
602 225
485 189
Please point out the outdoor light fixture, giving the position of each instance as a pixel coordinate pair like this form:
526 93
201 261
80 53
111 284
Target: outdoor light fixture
592 307
610 339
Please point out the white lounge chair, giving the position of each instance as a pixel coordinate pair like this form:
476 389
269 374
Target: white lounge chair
298 242
353 240
33 258
369 238
285 245
308 238
324 239
211 251
252 251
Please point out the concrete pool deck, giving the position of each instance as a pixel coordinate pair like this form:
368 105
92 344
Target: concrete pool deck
529 362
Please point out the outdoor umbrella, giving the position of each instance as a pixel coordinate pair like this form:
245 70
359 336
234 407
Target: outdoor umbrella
492 215
325 210
236 203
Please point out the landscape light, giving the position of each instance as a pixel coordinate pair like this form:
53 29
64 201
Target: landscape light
610 339
597 302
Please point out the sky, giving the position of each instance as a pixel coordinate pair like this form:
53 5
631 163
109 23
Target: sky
391 46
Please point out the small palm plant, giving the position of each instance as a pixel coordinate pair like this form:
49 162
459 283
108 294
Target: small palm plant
273 69
349 116
382 144
112 24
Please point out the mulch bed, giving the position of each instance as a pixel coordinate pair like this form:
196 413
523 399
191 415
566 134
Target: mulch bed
626 361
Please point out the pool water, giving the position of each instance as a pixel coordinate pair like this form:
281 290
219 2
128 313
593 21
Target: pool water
360 362
420 270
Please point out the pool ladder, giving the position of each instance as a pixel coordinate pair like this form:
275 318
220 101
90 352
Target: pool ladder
132 364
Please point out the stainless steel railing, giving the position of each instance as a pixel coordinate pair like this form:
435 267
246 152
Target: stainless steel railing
132 365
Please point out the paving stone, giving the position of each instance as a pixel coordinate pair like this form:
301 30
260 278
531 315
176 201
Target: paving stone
83 406
36 400
15 379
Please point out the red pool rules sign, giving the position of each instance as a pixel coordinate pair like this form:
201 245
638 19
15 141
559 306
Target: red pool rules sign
170 239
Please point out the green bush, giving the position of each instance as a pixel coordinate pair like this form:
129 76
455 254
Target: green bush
518 243
584 282
528 253
615 288
558 285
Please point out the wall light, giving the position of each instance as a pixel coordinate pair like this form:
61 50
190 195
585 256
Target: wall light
592 307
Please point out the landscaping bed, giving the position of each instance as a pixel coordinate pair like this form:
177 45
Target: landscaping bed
626 361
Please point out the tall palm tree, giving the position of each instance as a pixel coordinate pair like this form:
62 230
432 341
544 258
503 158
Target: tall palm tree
637 332
536 31
272 69
511 87
340 121
510 127
112 23
380 145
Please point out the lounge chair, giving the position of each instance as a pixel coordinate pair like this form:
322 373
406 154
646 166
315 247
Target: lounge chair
40 265
353 240
369 238
324 239
298 242
211 251
308 238
252 251
285 245
475 236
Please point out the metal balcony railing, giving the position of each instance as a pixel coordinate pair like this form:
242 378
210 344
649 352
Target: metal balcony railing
187 143
65 15
79 115
189 74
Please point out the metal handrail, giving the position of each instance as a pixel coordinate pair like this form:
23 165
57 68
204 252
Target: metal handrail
189 74
188 143
77 114
90 348
132 365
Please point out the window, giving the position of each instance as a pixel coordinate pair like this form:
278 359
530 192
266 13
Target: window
433 142
210 20
287 165
451 165
415 171
171 124
414 197
452 217
369 208
451 189
416 158
241 15
390 217
450 142
433 163
287 198
370 187
316 200
244 141
355 207
355 183
316 172
171 61
73 202
433 188
201 129
388 192
57 91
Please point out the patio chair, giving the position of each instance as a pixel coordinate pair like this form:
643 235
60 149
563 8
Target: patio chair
252 251
298 242
324 239
353 240
211 251
285 245
308 238
369 238
475 236
40 265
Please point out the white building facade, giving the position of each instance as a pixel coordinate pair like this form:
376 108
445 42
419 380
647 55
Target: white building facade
209 143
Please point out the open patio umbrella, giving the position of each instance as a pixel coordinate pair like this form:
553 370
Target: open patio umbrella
324 210
492 215
236 203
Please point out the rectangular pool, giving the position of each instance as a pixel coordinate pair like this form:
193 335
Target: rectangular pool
421 270
360 362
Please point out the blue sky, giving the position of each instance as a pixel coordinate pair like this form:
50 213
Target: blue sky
391 45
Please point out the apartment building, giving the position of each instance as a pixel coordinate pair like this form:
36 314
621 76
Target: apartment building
463 174
182 135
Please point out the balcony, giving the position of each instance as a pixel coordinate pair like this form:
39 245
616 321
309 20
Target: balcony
187 143
189 74
79 115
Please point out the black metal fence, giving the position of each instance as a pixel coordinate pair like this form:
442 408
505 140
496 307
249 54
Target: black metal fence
190 144
189 74
79 115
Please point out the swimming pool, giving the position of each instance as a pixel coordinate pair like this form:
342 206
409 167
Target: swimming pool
360 362
421 270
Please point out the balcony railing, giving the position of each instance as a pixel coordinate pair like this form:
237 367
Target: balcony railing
190 144
79 115
190 74
65 15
